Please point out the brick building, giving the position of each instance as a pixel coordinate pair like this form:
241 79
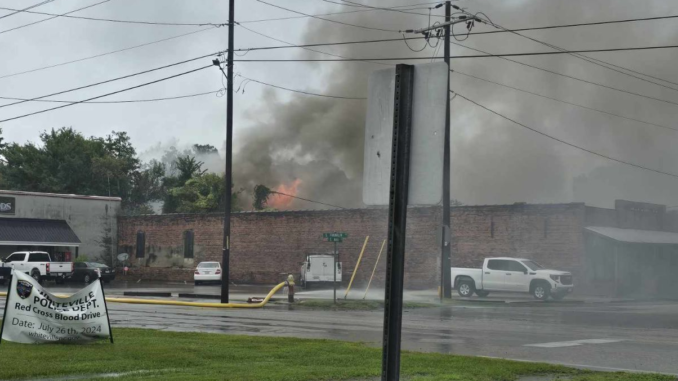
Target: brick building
267 245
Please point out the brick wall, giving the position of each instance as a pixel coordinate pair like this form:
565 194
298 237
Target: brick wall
266 245
549 234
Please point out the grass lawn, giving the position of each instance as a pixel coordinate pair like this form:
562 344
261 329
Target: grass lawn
182 356
349 304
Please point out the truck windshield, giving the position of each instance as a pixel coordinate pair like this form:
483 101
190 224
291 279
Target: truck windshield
532 265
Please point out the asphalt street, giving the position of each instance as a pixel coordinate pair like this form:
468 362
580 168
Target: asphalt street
628 335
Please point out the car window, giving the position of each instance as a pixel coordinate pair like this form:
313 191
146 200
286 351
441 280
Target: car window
16 257
38 257
208 265
532 265
516 266
96 265
497 264
80 265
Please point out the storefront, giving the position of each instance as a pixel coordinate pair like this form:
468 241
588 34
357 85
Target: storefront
64 225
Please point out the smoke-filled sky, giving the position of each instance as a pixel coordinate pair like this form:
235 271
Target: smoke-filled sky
317 143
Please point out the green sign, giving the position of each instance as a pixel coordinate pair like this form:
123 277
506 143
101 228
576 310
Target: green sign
335 235
334 239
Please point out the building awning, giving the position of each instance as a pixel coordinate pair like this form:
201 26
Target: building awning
635 236
36 232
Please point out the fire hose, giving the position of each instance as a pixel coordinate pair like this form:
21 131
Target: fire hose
190 304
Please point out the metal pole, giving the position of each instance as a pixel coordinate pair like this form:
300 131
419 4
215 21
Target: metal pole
397 219
445 276
335 272
228 177
375 269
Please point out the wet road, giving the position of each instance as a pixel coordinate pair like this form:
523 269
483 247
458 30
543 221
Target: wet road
639 336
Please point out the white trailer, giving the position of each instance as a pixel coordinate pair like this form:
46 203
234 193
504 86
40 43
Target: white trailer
317 271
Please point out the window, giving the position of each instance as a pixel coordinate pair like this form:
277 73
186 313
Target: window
532 265
516 266
38 257
208 265
141 244
497 264
188 244
16 257
79 265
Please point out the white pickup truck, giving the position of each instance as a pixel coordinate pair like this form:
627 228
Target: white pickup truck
512 275
38 265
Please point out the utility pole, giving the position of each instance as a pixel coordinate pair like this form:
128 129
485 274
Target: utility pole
228 176
445 276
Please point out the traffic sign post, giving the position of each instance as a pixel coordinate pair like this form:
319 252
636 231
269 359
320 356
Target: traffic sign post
335 237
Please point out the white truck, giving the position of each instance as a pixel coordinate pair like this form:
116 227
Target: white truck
512 275
38 265
317 270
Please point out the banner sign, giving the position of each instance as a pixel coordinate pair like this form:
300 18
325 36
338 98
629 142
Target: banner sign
33 315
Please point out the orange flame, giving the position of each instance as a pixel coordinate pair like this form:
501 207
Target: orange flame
280 201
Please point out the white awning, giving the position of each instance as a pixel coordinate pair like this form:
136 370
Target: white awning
635 236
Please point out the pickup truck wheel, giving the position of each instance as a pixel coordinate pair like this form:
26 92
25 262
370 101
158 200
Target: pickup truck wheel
465 289
541 291
35 274
482 293
87 279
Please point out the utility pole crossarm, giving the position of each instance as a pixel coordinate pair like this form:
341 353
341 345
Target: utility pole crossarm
460 19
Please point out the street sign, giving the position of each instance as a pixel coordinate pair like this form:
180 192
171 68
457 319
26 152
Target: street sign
335 235
428 131
334 239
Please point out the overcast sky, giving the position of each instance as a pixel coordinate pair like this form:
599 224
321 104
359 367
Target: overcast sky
494 161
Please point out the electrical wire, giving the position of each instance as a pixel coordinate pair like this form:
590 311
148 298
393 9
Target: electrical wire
24 10
328 20
503 57
600 63
294 45
560 100
53 17
302 92
111 80
104 54
107 94
115 20
121 101
329 14
565 142
305 199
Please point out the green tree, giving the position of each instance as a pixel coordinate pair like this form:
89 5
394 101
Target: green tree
203 194
261 194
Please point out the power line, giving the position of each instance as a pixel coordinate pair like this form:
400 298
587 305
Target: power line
305 199
25 9
115 20
566 102
104 54
121 101
53 17
291 45
596 62
108 94
567 76
303 92
486 55
565 142
328 20
110 80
